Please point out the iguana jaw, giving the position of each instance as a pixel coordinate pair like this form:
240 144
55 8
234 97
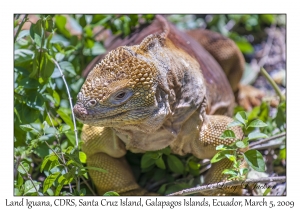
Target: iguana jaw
107 117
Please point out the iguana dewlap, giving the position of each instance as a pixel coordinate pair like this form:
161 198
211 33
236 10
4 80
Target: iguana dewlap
159 90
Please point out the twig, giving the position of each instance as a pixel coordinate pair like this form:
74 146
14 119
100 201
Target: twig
267 139
209 187
87 184
272 82
29 176
70 100
20 27
62 158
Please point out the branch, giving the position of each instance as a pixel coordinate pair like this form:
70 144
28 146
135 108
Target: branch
20 27
273 84
29 176
214 186
87 184
70 100
267 139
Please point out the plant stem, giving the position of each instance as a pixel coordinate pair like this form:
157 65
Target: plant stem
272 82
267 139
29 177
20 27
70 100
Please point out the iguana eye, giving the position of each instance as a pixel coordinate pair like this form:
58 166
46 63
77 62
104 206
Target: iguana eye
120 96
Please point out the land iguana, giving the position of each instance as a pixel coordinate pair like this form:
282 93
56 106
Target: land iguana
157 88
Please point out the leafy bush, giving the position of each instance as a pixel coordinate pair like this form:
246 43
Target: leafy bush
47 155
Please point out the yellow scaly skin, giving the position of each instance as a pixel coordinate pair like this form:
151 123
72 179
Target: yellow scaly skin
144 98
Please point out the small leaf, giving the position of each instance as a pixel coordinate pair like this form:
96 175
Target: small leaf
30 187
235 123
255 160
242 117
267 191
147 160
49 181
219 156
82 157
29 128
256 135
111 193
257 123
26 167
230 172
160 163
224 147
175 164
66 118
227 134
231 157
241 144
166 151
162 189
193 165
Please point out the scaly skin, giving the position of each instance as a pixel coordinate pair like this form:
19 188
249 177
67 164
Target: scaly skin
144 98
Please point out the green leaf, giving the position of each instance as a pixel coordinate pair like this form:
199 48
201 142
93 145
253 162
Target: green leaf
29 83
166 151
224 147
67 66
25 169
22 56
20 180
36 29
29 128
242 117
267 191
257 124
60 22
194 165
255 160
82 157
111 193
147 160
241 144
67 119
28 115
49 181
96 169
175 164
30 187
47 66
245 47
244 171
219 156
230 172
256 135
160 163
162 189
231 157
235 123
227 134
35 100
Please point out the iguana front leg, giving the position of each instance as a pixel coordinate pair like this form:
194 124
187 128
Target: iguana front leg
205 147
104 150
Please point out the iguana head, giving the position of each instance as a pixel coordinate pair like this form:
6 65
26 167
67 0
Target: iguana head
121 90
142 87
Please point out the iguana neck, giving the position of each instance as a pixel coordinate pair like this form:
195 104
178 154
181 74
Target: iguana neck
180 92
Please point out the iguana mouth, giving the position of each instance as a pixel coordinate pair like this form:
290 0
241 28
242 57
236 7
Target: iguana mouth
84 115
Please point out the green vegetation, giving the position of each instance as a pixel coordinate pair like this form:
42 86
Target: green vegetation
47 155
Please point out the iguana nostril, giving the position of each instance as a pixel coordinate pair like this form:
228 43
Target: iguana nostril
79 110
